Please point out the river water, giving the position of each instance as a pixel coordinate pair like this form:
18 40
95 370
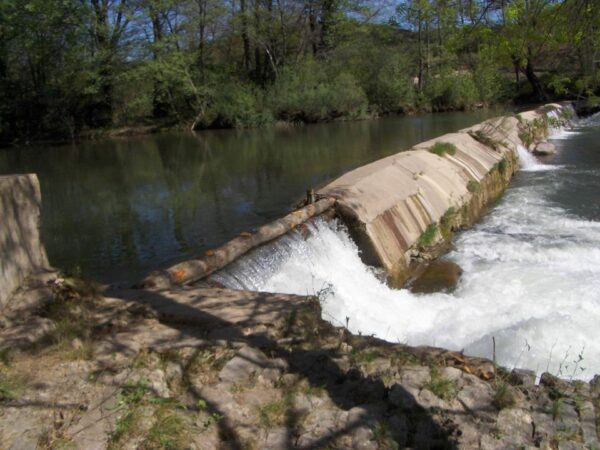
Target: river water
531 273
118 209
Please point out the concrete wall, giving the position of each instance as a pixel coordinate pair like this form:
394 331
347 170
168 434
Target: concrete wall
390 203
21 250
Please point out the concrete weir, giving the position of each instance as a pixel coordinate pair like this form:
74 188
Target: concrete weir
402 209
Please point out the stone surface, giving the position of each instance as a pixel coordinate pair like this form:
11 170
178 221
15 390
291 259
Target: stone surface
21 250
544 148
439 276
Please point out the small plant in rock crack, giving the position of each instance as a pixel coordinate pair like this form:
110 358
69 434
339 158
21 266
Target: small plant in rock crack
440 386
213 419
383 437
504 395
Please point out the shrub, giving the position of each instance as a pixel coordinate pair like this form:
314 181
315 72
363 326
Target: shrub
447 222
526 138
474 186
440 148
452 90
502 166
307 95
235 105
428 236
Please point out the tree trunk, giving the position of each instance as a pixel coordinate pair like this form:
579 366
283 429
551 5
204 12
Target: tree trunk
193 270
245 37
536 85
201 35
160 108
420 47
312 25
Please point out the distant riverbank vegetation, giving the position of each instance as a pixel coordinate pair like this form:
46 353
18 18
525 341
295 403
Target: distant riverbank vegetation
73 67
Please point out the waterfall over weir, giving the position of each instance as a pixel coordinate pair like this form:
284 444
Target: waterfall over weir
531 280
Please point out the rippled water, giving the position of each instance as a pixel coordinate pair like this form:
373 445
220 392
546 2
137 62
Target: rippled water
531 273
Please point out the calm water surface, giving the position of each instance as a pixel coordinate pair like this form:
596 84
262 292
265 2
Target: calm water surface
120 208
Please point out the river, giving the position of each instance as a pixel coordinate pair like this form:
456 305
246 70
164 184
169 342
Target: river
117 209
531 273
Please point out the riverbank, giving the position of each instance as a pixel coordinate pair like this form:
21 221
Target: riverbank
161 126
208 368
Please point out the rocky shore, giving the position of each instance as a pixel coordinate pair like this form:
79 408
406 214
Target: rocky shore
91 368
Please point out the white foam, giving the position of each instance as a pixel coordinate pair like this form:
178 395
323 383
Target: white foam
529 163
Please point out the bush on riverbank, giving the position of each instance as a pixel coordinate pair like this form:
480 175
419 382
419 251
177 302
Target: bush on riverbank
307 94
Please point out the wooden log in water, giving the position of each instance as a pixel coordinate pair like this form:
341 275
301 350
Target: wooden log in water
193 270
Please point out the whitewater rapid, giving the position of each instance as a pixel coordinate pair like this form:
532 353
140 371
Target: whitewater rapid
531 280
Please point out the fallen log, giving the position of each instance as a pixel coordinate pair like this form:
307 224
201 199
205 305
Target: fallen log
190 271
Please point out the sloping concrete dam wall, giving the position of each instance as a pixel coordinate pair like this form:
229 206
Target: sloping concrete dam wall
21 250
402 209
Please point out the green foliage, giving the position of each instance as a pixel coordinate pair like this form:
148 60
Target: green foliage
429 235
441 148
12 385
365 356
503 166
169 427
504 396
451 90
474 186
440 386
170 430
6 356
307 95
526 138
447 222
234 105
382 436
448 216
274 413
67 68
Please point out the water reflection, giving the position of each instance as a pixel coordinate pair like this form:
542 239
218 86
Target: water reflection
120 208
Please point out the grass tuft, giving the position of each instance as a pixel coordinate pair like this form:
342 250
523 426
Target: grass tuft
440 386
11 385
441 148
428 236
504 396
273 414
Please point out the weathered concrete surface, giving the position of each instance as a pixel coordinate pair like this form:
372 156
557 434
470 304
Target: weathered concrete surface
21 250
391 203
394 200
